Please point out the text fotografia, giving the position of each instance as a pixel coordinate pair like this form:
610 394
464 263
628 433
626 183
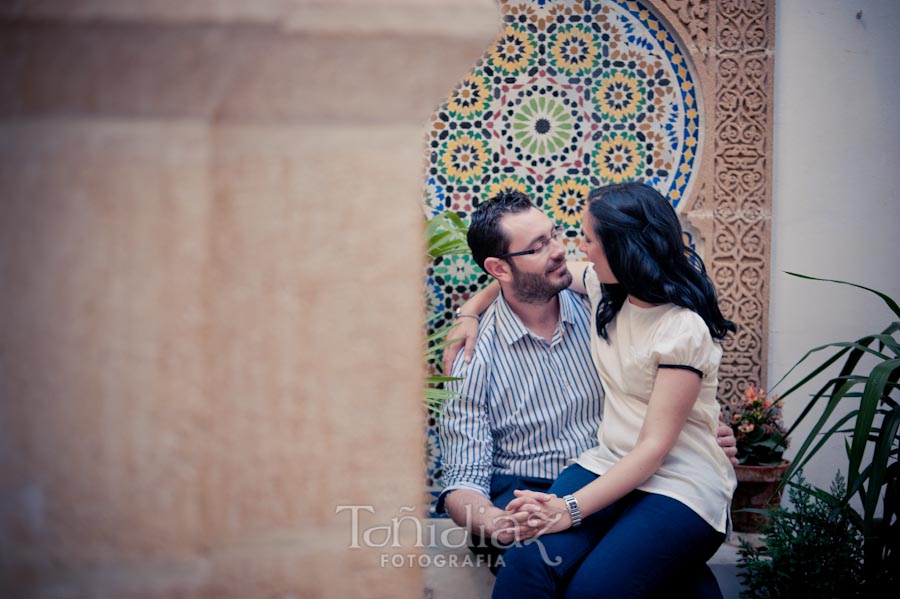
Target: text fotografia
441 560
428 536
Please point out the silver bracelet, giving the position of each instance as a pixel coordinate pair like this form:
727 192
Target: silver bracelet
574 510
459 314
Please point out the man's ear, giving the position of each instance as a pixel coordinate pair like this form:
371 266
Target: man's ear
499 269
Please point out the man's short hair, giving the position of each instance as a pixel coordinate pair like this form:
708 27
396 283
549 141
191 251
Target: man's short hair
486 237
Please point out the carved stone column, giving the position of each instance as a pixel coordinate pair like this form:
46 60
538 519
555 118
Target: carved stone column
731 206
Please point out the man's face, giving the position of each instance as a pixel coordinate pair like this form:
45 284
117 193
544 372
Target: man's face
537 277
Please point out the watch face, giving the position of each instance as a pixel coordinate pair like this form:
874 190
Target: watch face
574 510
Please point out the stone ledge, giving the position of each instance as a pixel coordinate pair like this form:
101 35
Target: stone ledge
454 573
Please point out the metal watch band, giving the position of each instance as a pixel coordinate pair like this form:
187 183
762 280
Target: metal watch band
574 510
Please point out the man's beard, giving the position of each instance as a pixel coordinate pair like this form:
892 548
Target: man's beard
532 288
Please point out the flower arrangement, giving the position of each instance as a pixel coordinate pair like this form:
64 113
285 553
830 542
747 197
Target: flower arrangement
758 427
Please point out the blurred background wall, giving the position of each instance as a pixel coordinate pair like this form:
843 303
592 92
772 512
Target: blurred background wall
210 222
836 202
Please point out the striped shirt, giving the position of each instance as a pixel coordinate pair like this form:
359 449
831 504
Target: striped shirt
526 405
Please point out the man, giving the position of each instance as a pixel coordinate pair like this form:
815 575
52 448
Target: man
529 398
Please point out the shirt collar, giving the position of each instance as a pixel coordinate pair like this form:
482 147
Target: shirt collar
508 322
567 310
510 325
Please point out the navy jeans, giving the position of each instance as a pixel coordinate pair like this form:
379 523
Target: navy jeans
638 547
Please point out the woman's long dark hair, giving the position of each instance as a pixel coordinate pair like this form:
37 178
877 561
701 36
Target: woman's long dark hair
643 241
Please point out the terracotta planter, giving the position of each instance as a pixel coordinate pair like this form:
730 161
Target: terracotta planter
756 488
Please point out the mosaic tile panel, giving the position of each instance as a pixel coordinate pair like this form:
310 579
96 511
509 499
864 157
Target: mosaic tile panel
572 94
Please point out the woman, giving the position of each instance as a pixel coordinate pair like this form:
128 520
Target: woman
653 497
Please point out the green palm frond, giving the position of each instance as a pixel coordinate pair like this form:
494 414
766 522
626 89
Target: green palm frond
869 388
445 235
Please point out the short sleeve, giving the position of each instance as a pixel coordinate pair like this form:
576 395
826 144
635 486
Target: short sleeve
685 342
592 286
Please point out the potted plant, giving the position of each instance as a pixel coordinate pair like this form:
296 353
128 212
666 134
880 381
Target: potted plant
862 405
758 427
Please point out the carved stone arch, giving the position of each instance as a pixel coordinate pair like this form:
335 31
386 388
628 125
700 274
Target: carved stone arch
728 48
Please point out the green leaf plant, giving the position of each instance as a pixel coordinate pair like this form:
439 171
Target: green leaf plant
445 235
812 550
867 392
435 394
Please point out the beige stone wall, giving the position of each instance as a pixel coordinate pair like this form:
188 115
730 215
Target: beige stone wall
210 319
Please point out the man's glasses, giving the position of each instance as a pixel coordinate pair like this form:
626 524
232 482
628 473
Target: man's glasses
539 246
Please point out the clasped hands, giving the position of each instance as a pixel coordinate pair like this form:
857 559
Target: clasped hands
531 514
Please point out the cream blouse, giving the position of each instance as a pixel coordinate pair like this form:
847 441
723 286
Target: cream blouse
696 472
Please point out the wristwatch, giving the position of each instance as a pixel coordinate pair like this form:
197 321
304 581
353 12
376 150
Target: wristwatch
574 510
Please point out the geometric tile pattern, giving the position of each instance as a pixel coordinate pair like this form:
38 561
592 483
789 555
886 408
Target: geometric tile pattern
572 94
